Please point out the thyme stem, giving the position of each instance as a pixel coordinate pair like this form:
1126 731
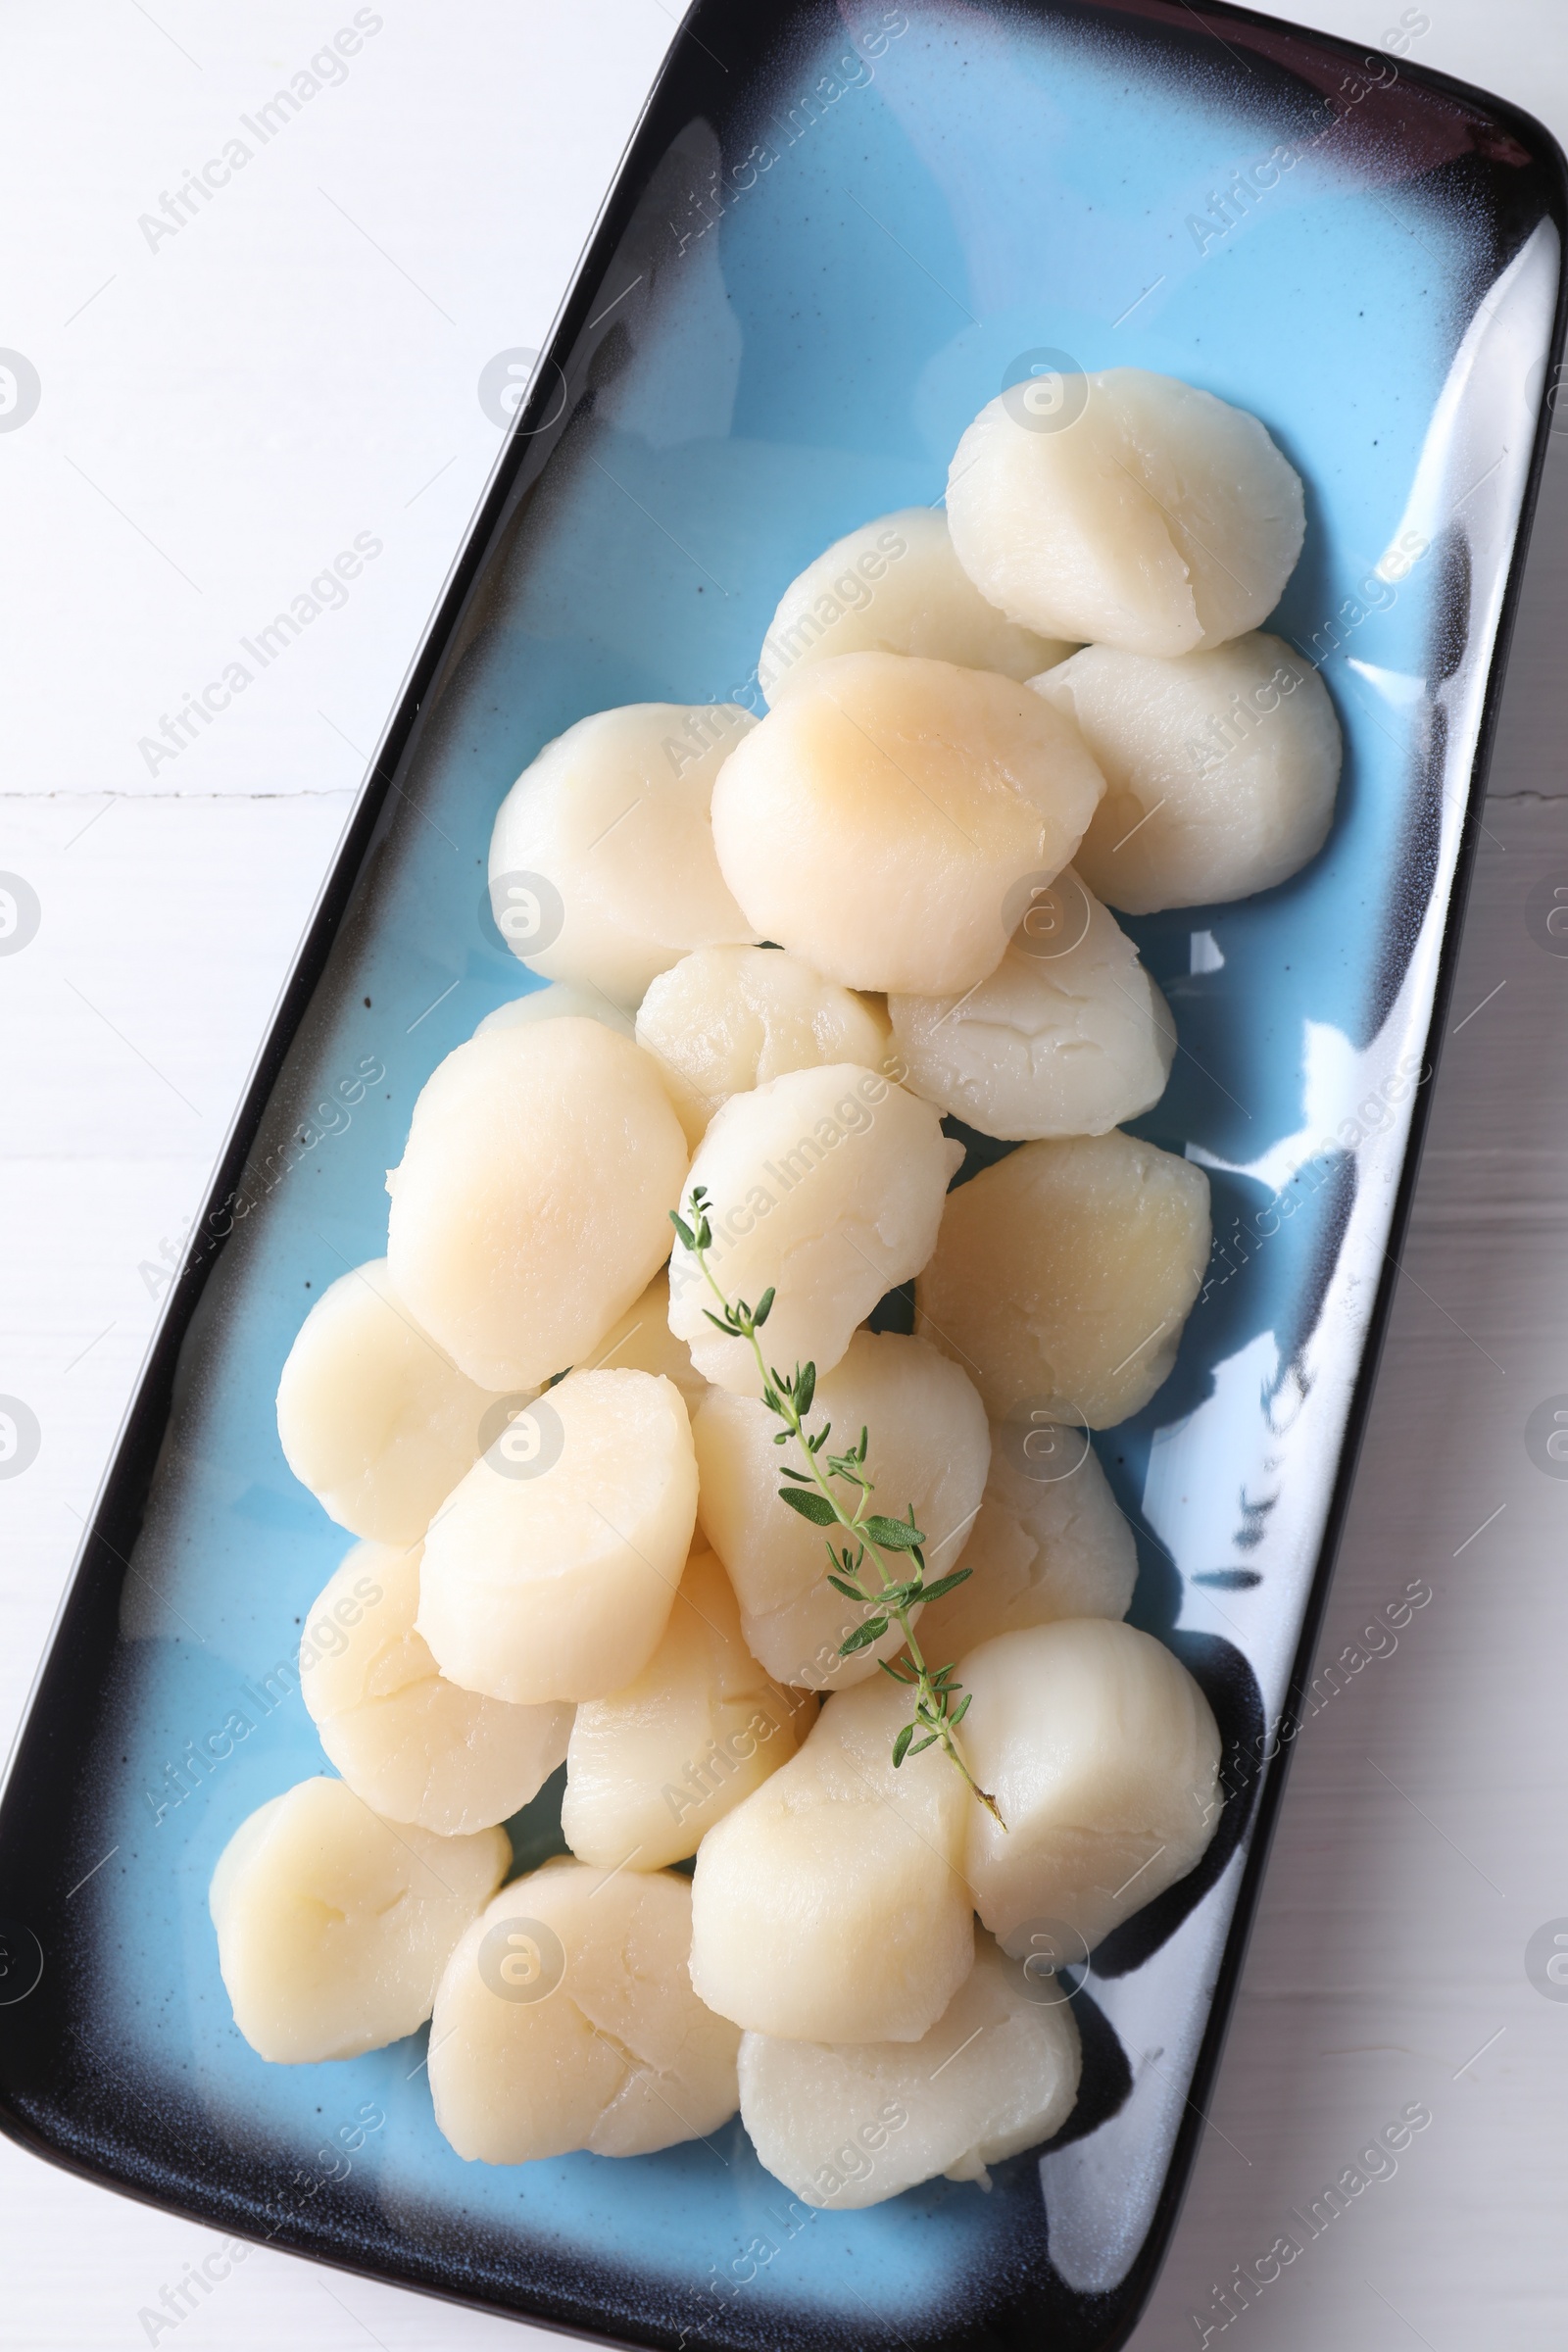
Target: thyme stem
935 1719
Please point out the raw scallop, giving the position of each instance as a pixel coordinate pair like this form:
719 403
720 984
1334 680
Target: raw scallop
929 1448
1103 1756
1050 1542
532 1204
1064 1273
726 1020
828 1906
415 1746
641 1340
883 817
550 1573
1221 767
333 1926
565 2019
612 819
1069 1036
827 1184
895 586
650 1769
1138 513
560 1000
851 2124
373 1415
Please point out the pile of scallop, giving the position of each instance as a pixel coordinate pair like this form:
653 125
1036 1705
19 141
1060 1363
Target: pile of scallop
780 952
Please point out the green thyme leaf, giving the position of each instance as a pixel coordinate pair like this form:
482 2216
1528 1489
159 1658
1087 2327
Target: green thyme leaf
864 1635
891 1535
811 1505
946 1584
901 1746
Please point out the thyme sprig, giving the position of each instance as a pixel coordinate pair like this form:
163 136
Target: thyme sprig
938 1709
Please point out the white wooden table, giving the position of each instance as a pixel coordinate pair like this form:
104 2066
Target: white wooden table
222 408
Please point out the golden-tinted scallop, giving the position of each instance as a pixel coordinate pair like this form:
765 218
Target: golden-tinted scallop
881 820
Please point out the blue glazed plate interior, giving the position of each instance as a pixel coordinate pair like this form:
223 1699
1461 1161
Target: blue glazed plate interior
896 212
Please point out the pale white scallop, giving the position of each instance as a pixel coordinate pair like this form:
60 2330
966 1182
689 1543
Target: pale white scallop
565 2019
531 1206
1048 1543
613 817
929 1451
1103 1755
560 1000
1221 769
333 1926
895 586
882 820
1062 1039
726 1020
650 1769
373 1416
550 1573
641 1340
829 1906
1063 1276
849 2124
1138 513
415 1746
824 1185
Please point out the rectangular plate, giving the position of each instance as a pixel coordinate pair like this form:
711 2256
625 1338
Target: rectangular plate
837 233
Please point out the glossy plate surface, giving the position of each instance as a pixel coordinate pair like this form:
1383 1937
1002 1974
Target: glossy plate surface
838 232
